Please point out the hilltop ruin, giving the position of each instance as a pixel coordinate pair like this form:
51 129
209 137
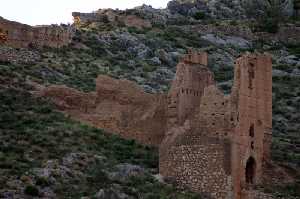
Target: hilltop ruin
209 142
115 17
19 35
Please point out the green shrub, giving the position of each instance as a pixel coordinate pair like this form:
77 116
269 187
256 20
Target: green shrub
31 190
149 68
269 25
234 23
137 30
42 181
199 15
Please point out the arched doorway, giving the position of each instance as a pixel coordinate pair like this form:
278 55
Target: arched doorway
250 170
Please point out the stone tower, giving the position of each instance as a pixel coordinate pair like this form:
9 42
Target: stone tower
222 141
192 76
252 95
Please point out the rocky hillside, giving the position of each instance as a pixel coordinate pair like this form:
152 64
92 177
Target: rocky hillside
44 154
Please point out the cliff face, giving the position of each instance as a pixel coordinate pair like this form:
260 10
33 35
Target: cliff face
23 36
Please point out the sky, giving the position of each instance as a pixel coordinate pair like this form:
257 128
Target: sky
42 12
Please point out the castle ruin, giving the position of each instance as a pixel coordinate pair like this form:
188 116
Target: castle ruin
211 143
220 148
115 17
19 35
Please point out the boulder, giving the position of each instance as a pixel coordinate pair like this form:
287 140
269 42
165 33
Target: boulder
227 41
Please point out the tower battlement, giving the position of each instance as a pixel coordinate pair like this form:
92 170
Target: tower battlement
195 57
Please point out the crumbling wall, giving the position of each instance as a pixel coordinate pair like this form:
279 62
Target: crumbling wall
3 36
136 114
69 99
233 131
198 163
196 150
23 36
192 76
112 17
118 106
216 116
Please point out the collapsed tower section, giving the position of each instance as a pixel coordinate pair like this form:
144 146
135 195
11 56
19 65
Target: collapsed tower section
192 76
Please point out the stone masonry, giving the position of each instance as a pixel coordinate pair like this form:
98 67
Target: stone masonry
19 35
211 143
222 146
118 106
110 16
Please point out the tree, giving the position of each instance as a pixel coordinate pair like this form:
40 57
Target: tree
268 14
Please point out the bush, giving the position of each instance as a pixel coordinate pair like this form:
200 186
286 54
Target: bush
269 25
199 15
149 68
234 23
42 181
31 190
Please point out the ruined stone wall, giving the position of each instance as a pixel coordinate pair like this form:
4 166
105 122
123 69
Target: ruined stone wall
198 163
135 114
192 76
196 151
216 116
242 122
69 99
112 17
23 36
85 18
118 106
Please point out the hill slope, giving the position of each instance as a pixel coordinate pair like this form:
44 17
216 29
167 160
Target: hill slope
44 153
